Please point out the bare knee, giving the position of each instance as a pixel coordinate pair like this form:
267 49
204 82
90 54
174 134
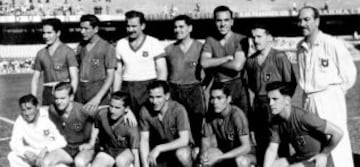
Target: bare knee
245 161
124 159
80 162
184 156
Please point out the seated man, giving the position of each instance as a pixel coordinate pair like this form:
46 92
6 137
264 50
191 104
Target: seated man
226 139
118 142
164 129
307 133
33 135
76 124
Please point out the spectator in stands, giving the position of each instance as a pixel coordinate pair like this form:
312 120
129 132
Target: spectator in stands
140 60
311 137
224 56
33 134
97 65
327 72
56 61
264 66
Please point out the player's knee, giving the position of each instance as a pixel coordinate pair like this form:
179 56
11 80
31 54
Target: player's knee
184 155
123 161
242 161
195 153
80 162
47 162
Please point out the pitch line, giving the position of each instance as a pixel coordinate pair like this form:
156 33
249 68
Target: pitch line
7 120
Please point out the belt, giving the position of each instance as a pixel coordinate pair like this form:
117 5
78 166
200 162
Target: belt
54 83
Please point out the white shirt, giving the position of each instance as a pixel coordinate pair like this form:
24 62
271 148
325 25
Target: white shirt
328 62
139 65
37 135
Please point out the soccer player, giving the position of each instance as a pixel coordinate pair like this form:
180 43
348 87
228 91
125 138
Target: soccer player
56 61
224 55
312 138
184 78
33 134
140 60
76 124
264 66
226 132
118 142
97 65
327 71
165 134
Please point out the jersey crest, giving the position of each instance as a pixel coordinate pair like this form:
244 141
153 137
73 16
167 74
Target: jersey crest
325 62
145 54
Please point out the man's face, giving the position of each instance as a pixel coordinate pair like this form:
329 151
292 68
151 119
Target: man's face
88 31
158 98
278 102
307 22
182 30
223 22
62 99
50 35
29 112
219 100
134 28
261 38
117 108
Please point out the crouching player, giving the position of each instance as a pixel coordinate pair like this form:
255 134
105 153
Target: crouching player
312 138
76 124
226 134
33 135
118 142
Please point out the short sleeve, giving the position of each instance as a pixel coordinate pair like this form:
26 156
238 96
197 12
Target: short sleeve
313 122
238 46
157 49
118 49
207 46
110 59
143 122
71 59
182 119
275 137
37 63
134 137
207 129
241 123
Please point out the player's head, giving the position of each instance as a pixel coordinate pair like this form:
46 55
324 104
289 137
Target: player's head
158 94
89 25
51 30
182 26
261 36
223 17
63 94
309 20
119 104
135 23
279 94
29 108
220 97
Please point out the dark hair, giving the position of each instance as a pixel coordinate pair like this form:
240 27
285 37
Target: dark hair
222 9
66 86
262 26
94 21
159 84
121 96
315 11
133 13
55 23
285 88
187 19
221 86
29 98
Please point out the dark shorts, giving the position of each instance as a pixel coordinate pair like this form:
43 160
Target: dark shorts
72 150
239 94
293 160
87 90
47 96
138 93
113 152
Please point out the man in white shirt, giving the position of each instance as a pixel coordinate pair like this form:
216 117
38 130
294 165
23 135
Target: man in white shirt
327 71
33 135
140 61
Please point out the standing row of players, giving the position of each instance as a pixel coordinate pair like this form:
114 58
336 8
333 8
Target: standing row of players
139 66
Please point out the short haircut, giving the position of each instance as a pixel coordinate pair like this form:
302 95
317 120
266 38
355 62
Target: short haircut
187 19
262 26
285 88
118 95
315 11
222 87
159 84
29 98
222 9
94 21
133 14
64 86
55 23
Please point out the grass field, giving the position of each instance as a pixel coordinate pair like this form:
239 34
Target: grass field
13 86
